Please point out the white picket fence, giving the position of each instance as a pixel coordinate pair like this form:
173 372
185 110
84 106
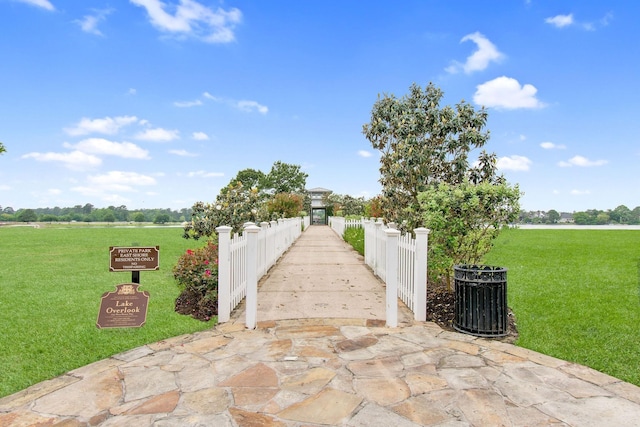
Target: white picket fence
339 224
398 260
244 258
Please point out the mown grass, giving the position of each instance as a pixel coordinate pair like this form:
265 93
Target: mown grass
576 295
51 282
355 237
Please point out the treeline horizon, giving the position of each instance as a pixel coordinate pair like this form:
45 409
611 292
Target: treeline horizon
89 213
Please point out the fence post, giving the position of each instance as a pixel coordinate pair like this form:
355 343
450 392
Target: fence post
224 273
420 275
252 275
392 276
378 248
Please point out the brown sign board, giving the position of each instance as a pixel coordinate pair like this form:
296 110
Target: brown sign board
136 258
124 308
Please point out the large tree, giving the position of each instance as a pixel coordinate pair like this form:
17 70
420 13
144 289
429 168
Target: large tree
423 144
285 178
2 149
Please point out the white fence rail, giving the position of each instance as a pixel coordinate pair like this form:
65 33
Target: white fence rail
244 258
399 260
339 224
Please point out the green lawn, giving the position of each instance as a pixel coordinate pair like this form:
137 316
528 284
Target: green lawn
576 295
51 282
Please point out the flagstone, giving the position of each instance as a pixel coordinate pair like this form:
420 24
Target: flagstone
463 378
373 415
141 382
246 397
423 410
474 404
309 382
382 367
420 383
163 403
531 417
259 375
626 390
327 407
311 331
250 419
206 345
383 391
461 361
98 393
205 401
356 343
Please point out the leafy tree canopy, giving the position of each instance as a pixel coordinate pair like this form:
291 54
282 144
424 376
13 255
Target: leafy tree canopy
2 149
285 178
423 144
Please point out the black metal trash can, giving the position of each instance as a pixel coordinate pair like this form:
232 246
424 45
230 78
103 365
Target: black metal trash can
480 300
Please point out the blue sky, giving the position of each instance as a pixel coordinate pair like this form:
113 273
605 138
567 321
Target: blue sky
154 104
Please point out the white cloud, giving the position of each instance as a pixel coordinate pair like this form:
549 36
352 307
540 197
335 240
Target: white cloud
45 4
560 21
211 97
551 146
158 135
183 153
364 153
203 174
4 187
514 163
480 59
121 178
114 181
191 18
75 160
126 150
54 191
506 92
580 192
187 104
582 162
89 23
244 105
108 125
250 106
200 136
132 91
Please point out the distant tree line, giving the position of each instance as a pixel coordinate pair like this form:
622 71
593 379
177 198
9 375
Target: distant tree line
89 213
619 215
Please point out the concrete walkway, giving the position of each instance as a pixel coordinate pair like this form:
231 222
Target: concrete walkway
319 369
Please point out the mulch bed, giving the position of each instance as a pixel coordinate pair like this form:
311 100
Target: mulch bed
441 310
196 306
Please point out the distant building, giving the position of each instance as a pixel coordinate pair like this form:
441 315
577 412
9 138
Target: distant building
566 218
318 208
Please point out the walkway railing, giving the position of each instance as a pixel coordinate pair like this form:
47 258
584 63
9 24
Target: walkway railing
398 260
339 224
244 258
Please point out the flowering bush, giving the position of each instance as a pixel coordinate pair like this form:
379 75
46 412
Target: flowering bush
197 274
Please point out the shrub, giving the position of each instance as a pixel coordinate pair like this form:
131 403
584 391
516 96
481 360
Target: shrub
197 275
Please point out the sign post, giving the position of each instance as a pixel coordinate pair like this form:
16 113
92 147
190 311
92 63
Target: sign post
127 306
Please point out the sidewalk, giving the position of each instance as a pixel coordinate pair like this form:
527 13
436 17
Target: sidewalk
322 276
304 366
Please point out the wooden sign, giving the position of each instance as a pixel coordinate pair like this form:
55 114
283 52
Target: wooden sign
124 308
136 258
